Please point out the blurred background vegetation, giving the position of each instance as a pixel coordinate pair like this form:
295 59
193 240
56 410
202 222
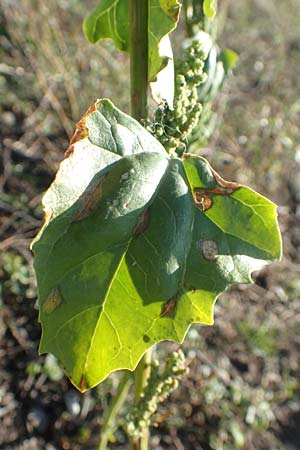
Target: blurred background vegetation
243 389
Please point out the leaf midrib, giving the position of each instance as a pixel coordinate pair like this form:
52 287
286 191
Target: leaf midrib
116 273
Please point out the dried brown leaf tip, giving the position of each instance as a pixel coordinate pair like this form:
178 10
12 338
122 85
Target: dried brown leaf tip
169 308
142 224
81 131
48 213
52 302
89 201
226 187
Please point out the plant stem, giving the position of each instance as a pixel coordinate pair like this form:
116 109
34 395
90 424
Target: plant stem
139 58
114 408
139 69
188 24
141 375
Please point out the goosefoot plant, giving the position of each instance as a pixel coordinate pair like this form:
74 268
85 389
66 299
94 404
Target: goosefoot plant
140 236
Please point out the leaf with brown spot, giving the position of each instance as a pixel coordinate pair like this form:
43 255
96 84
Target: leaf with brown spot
81 131
202 200
204 197
89 201
142 224
121 273
169 308
52 302
83 384
209 249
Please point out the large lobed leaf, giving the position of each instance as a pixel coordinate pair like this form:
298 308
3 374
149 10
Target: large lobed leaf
136 246
110 19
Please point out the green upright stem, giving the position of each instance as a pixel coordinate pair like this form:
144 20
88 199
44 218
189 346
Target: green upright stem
188 24
114 408
141 376
139 58
139 69
142 373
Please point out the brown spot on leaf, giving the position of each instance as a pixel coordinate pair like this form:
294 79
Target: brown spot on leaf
81 130
52 302
142 224
146 338
89 201
204 197
169 308
174 12
83 384
209 249
202 200
171 9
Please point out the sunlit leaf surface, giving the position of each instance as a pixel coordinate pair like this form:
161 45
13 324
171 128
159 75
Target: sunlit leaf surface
136 246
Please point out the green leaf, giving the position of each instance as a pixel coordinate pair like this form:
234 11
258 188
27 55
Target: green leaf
209 8
163 18
229 59
136 246
163 88
110 20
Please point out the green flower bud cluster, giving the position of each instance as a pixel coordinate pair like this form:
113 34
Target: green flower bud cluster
172 127
159 387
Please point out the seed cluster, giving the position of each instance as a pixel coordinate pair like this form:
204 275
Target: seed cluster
172 127
159 387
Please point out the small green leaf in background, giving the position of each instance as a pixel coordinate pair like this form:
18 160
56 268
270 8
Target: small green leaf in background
228 58
110 19
136 246
209 8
